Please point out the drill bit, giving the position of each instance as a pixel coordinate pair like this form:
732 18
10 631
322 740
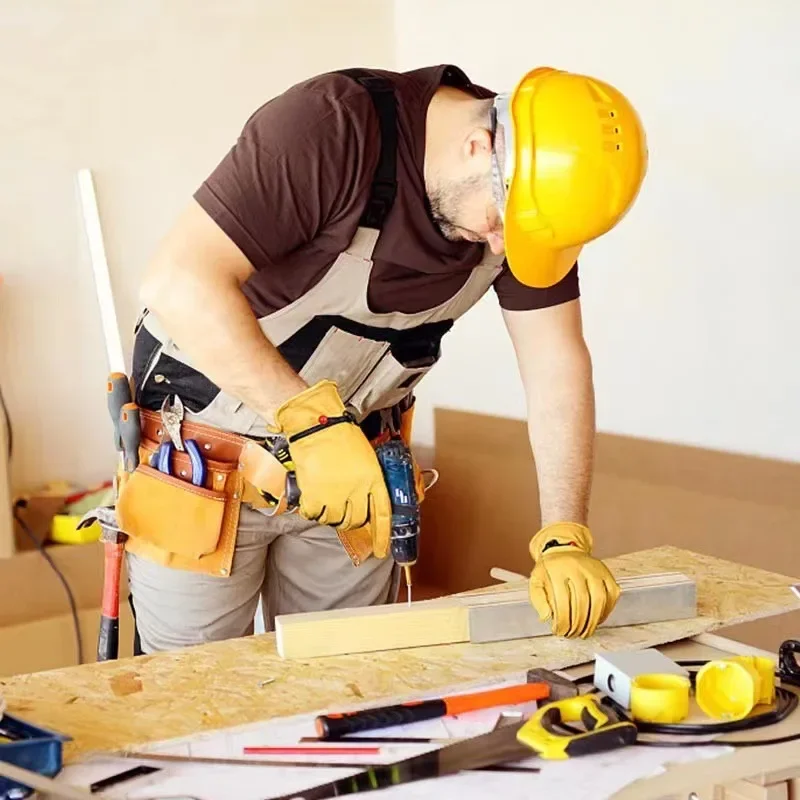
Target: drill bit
407 568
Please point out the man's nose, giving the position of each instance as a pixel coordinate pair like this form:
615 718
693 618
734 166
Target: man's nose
496 243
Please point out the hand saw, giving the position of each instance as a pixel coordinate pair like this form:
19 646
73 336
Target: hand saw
604 731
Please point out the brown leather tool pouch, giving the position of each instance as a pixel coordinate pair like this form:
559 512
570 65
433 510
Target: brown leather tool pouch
175 523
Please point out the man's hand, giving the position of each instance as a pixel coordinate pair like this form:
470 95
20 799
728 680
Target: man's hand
340 480
568 586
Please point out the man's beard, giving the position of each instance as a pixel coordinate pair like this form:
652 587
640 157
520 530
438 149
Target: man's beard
447 201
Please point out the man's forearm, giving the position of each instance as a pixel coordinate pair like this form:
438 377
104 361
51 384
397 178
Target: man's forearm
211 321
561 424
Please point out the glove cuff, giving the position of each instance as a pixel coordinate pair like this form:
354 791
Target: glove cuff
569 534
311 410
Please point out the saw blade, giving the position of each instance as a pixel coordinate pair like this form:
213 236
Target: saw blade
492 749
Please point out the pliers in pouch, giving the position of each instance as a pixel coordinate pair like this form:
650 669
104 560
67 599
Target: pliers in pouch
171 419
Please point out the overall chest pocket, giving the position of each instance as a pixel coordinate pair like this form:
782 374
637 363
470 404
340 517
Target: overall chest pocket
345 358
409 356
373 367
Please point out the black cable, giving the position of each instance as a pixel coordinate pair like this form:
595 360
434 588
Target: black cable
43 550
8 424
39 545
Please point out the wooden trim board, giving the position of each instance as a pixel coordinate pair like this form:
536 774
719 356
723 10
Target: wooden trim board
497 615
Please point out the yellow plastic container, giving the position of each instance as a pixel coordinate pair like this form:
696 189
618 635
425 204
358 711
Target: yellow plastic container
64 530
730 688
660 698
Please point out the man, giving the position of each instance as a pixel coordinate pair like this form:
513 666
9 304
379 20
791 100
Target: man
304 293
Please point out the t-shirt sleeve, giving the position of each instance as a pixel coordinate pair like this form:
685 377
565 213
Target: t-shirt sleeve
516 296
294 168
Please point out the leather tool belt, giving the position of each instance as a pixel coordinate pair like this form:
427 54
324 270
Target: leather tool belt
177 524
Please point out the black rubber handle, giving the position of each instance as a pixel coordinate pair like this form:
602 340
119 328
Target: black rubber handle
108 639
334 726
619 734
292 490
788 665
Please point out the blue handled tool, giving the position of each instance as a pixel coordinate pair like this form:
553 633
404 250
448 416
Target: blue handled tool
162 460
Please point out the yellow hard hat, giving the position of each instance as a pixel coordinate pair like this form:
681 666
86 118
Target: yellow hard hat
569 159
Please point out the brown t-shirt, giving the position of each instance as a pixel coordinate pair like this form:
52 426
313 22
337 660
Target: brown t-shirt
291 191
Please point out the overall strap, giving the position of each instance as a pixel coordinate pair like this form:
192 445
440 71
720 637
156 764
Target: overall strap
384 181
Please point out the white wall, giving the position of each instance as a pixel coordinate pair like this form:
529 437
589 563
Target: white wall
691 304
149 95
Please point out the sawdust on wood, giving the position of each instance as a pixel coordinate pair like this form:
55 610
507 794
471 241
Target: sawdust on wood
219 685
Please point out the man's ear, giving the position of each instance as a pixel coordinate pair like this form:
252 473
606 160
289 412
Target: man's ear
478 143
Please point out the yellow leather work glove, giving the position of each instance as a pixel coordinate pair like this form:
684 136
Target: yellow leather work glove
340 480
568 586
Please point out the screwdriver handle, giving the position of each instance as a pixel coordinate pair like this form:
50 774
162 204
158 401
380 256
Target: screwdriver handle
130 434
118 394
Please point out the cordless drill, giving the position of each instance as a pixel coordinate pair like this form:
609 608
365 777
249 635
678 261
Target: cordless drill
398 472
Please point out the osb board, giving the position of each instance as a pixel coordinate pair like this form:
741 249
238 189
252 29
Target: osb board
134 701
644 494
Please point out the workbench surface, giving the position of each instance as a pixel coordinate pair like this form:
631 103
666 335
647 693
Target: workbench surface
139 700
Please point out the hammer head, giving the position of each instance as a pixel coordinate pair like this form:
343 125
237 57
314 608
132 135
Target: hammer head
560 688
107 518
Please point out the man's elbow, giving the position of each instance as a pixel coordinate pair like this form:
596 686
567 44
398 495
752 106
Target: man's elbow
168 284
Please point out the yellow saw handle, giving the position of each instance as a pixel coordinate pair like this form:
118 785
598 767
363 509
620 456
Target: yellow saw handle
541 733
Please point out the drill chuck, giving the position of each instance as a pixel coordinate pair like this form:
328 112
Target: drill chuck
398 471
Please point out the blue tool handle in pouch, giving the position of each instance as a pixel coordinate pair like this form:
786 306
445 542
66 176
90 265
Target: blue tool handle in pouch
162 460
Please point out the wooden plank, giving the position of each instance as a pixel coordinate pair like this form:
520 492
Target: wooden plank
370 629
653 598
505 575
487 617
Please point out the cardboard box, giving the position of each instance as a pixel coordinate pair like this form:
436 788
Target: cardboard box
37 629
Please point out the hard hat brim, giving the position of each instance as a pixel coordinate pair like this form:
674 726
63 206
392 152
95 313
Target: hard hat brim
531 263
